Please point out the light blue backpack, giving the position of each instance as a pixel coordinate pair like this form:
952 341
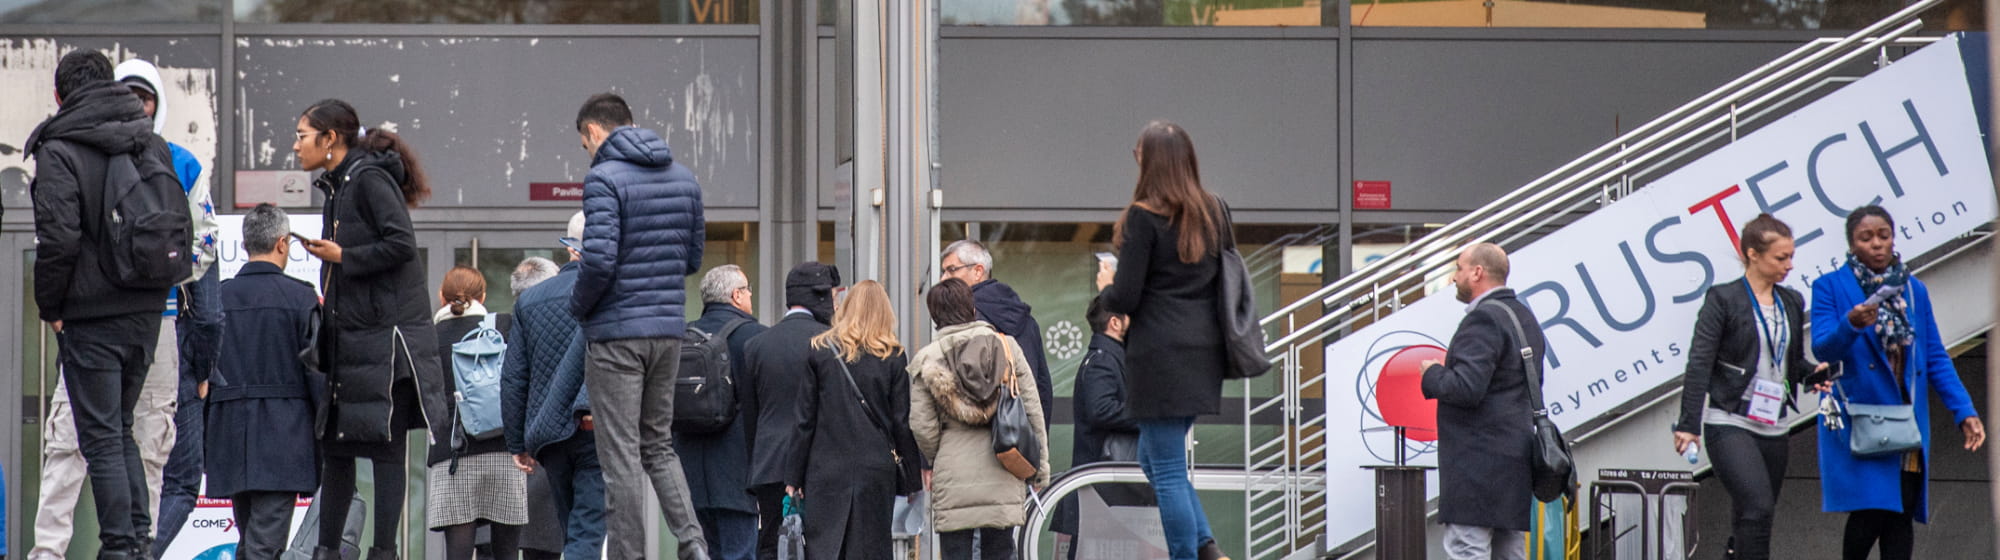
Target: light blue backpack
476 362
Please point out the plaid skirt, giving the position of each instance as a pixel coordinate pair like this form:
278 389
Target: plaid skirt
487 487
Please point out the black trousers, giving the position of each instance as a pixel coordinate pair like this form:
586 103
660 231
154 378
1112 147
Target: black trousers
1752 468
104 364
262 521
1894 529
994 544
770 514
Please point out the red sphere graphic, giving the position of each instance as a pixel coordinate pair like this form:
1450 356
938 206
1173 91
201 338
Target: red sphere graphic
1399 392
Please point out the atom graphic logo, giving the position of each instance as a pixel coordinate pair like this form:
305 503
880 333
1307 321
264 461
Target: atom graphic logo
1064 340
1389 386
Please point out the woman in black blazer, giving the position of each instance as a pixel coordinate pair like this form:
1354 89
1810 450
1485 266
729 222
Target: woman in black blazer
1169 243
1744 364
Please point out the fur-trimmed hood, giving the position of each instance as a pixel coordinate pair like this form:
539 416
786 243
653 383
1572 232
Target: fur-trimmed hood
964 370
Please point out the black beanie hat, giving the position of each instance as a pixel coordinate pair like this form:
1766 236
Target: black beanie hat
810 285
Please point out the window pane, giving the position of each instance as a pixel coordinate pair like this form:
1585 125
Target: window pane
1132 12
1688 14
728 243
110 11
497 11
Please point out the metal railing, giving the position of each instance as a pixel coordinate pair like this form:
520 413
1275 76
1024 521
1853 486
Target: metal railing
1286 494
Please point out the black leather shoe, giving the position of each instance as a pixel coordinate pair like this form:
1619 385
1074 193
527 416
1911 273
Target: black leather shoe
324 553
1211 551
381 554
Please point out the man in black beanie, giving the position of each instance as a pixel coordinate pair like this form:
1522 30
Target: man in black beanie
779 360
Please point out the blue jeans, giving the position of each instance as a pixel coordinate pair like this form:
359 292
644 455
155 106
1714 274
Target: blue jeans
1163 455
731 535
199 330
576 484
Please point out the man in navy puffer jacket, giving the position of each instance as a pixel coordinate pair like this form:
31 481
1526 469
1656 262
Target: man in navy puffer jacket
642 236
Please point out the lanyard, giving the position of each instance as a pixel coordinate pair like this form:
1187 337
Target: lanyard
1774 342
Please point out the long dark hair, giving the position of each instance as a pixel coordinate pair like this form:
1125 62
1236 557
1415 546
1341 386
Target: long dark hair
338 118
1170 185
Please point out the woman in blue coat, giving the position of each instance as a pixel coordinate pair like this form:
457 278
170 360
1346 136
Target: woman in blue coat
1888 351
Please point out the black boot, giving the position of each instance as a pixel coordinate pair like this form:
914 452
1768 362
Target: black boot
1211 551
109 553
381 554
324 553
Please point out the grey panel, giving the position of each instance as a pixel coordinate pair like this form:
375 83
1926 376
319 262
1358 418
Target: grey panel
489 115
1051 124
1455 124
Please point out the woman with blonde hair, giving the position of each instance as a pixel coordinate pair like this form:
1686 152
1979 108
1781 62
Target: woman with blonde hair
859 397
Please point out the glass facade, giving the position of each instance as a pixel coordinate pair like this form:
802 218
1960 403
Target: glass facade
498 11
1680 14
110 11
1140 13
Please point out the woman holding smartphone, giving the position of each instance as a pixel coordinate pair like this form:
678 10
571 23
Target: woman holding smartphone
1744 366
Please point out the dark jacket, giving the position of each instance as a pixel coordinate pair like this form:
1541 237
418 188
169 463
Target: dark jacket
260 434
71 151
718 464
1484 419
542 383
999 305
841 460
1100 406
377 303
1175 349
445 436
779 362
1723 356
643 236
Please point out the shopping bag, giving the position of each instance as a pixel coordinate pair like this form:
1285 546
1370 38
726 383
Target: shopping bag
792 533
1554 534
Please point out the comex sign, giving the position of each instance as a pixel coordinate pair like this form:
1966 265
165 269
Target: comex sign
1617 292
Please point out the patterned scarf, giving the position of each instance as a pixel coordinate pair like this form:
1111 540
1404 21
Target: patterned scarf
1892 322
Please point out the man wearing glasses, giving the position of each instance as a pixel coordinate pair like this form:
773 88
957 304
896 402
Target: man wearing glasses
999 304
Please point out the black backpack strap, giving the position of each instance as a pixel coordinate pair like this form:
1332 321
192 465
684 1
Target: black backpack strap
1528 357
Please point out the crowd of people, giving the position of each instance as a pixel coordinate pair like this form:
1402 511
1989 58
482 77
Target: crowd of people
545 426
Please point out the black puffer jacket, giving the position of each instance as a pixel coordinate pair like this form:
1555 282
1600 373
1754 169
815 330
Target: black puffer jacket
71 150
378 315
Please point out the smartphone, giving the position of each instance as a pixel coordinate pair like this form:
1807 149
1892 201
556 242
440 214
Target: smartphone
303 240
570 242
1833 371
1108 258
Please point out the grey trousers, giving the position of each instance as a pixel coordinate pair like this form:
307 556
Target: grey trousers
1465 542
631 384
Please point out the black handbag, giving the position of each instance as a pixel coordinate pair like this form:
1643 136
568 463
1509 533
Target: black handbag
902 446
1236 306
1552 470
1014 441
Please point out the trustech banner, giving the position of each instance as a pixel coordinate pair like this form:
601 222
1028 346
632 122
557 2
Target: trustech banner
1617 292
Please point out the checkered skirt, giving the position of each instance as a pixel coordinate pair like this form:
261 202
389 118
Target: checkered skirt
487 486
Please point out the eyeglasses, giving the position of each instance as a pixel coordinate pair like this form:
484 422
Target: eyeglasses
304 135
950 270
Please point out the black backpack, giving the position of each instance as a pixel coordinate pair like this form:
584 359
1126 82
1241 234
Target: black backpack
145 227
705 392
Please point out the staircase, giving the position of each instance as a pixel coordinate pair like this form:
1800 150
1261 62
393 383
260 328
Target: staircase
1579 235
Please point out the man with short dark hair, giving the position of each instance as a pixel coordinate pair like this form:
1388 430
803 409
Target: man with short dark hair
643 235
718 464
999 304
546 408
778 363
106 332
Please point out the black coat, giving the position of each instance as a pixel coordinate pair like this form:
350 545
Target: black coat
71 151
998 304
718 464
779 362
377 304
260 432
1175 363
1485 423
449 332
842 461
1723 355
1101 405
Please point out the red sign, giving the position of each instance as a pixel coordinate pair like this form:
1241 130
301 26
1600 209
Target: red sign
1371 195
561 192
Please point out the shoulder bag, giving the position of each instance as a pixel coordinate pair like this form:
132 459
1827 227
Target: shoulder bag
909 466
1553 472
1236 306
1014 441
1878 430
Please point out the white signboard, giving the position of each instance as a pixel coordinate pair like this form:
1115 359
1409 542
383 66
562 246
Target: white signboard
211 531
1617 292
231 256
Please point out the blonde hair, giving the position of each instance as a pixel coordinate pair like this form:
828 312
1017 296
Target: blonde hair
864 322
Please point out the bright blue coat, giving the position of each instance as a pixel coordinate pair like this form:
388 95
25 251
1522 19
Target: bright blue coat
1849 483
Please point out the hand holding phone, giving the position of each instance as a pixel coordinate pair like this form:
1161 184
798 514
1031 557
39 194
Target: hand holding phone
303 240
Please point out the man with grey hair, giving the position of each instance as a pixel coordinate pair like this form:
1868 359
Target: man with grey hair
717 463
531 271
545 406
998 304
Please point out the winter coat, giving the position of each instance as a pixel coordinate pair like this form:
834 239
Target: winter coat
718 464
780 361
260 412
444 437
1724 355
953 427
999 305
377 303
72 150
643 236
1174 348
1850 483
200 204
1484 418
541 385
1100 405
840 460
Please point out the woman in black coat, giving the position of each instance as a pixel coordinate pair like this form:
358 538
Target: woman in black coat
843 467
378 345
1169 247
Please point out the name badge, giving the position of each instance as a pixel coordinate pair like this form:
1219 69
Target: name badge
1766 400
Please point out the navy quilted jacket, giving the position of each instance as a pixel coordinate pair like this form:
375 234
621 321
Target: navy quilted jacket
542 385
643 235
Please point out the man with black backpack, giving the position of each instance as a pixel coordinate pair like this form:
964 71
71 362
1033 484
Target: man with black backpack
714 447
113 234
